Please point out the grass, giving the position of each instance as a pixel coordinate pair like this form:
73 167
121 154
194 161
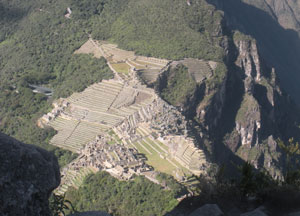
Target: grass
139 131
111 142
122 68
155 145
161 145
158 163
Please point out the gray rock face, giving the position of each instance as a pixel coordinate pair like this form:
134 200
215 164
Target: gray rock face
248 122
294 214
207 210
286 12
28 174
256 212
249 59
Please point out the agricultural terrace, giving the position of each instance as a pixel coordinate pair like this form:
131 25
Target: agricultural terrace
73 178
123 62
97 109
198 69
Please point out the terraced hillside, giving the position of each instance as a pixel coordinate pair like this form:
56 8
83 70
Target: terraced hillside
95 110
123 112
198 69
123 62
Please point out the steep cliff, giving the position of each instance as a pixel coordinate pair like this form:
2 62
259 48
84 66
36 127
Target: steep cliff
275 27
286 12
238 107
28 175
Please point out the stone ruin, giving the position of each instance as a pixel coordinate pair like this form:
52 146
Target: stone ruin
117 159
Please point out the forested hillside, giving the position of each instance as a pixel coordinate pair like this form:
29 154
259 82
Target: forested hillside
138 197
37 48
168 29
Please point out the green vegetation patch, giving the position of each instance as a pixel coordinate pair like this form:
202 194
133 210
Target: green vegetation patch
154 159
80 72
122 68
218 77
249 106
239 36
179 86
169 29
138 197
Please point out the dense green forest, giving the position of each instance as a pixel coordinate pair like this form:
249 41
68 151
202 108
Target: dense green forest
179 85
37 48
138 197
137 25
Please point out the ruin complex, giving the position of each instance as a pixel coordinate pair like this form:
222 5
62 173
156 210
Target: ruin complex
122 126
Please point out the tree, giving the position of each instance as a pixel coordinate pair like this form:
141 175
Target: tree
292 172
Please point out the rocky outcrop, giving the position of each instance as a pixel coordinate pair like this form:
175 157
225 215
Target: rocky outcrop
249 61
248 118
254 213
275 27
28 175
208 210
286 12
240 105
248 121
263 109
209 110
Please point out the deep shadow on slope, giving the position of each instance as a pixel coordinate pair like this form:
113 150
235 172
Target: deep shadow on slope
278 46
10 13
9 17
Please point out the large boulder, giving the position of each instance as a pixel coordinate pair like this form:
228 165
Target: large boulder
207 210
28 175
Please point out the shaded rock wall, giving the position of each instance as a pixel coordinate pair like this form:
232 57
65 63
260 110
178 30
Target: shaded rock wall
275 26
28 174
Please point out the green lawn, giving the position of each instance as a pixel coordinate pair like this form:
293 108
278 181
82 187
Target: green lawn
122 68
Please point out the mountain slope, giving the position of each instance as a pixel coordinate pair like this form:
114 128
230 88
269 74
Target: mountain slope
274 25
286 12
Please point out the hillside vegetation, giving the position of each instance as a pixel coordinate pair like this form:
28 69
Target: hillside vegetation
166 29
138 197
37 48
179 86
